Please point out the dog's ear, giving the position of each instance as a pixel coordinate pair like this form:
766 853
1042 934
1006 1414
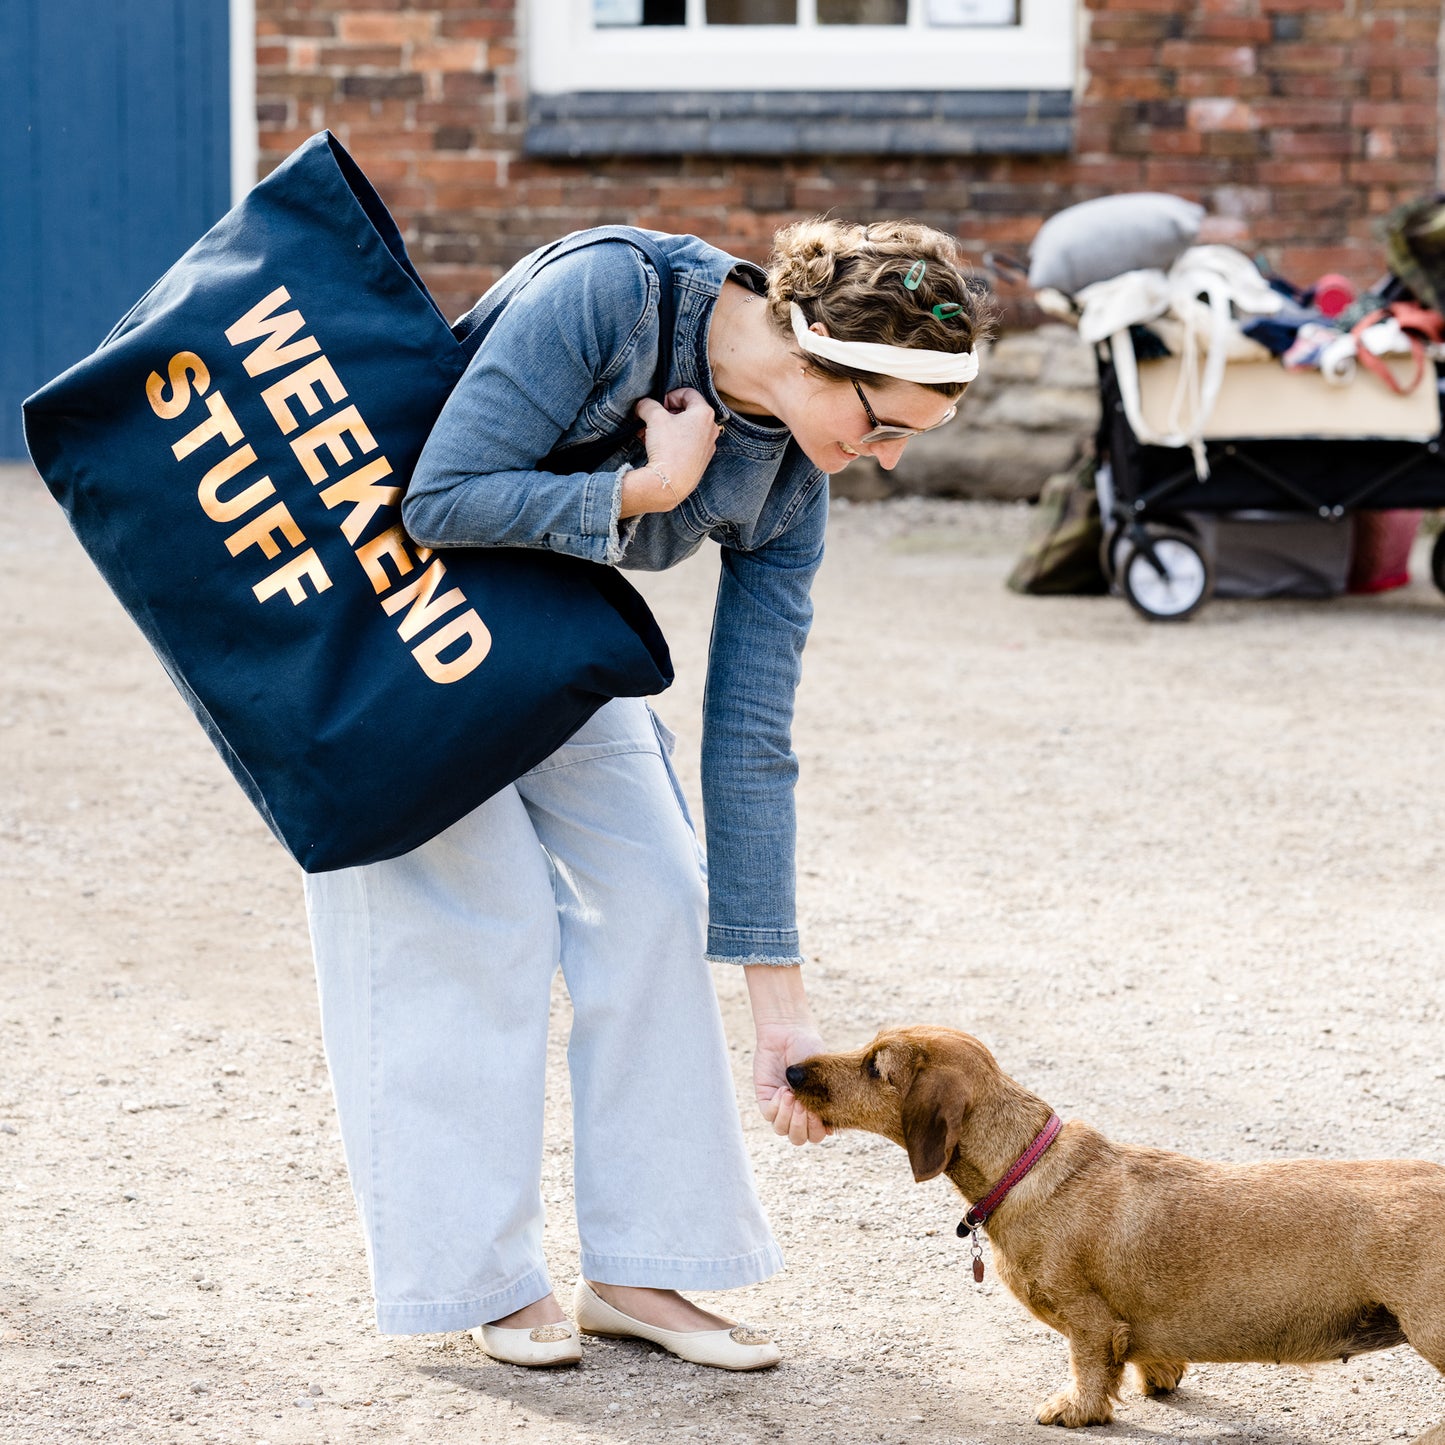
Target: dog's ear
932 1109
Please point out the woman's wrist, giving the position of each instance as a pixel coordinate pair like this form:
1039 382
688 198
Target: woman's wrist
647 489
777 996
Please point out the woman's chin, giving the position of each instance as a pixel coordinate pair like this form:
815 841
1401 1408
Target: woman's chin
833 460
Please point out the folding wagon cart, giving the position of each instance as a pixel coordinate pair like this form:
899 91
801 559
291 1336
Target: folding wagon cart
1287 441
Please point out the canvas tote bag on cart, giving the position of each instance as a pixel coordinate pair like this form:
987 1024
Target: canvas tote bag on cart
233 458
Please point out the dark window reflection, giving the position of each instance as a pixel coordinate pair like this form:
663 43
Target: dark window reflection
752 12
862 12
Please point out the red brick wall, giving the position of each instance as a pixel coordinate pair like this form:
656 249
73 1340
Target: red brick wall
1298 123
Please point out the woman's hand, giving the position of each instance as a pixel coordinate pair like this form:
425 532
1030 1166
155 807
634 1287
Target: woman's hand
786 1035
778 1046
680 435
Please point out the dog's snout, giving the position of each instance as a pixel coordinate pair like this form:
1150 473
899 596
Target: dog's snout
796 1075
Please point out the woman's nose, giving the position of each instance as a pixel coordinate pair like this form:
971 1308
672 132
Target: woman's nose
888 454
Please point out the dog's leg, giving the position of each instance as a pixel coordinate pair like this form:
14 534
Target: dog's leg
1426 1336
1159 1377
1098 1347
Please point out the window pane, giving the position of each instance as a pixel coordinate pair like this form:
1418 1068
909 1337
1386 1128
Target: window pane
862 12
752 12
973 12
607 13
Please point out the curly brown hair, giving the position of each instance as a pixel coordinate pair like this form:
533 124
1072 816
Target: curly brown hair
849 275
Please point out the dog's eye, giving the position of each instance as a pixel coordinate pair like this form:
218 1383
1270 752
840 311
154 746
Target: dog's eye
872 1067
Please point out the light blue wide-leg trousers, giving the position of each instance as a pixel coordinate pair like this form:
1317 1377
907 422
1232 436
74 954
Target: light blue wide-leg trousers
435 974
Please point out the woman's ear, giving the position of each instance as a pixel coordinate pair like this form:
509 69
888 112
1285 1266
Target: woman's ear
932 1110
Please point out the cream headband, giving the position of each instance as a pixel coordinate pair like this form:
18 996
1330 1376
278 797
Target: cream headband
907 363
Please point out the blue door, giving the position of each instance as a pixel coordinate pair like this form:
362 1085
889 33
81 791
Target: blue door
114 156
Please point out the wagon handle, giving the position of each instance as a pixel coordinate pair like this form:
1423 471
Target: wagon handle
1377 365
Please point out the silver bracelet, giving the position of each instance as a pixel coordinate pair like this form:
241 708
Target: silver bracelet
666 482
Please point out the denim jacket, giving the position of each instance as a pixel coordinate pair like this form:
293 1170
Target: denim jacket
572 352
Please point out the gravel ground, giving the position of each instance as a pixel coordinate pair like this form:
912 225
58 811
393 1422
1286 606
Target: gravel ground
1181 880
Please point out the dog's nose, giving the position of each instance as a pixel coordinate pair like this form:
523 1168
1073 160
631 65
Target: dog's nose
796 1076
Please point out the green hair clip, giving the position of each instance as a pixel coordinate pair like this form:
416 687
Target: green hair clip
947 310
915 275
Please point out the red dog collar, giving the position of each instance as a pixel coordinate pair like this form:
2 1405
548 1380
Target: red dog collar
977 1214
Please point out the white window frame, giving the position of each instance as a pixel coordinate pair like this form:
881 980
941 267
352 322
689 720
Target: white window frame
245 140
569 54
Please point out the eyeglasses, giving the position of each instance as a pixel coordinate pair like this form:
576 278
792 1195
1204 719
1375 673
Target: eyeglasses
881 433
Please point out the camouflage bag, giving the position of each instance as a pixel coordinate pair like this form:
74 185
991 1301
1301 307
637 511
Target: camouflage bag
1062 557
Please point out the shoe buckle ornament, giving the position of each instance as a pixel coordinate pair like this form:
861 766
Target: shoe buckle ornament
749 1335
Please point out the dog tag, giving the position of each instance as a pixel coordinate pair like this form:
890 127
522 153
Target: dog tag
978 1271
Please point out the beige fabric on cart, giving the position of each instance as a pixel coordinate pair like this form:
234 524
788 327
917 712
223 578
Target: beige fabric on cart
1229 282
1239 348
1258 401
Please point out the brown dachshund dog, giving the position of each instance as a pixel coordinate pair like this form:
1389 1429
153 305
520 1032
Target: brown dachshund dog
1143 1257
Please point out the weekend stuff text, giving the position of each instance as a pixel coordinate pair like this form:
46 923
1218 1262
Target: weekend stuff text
230 492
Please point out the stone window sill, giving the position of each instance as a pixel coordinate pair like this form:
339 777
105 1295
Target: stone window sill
795 123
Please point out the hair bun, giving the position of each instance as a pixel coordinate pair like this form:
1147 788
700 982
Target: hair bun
850 276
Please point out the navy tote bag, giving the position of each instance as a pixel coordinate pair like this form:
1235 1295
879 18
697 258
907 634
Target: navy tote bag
233 458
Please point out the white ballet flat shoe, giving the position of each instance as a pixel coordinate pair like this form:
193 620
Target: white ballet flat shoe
538 1348
740 1347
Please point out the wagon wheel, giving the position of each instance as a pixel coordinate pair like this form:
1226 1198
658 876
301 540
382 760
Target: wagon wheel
1116 538
1174 589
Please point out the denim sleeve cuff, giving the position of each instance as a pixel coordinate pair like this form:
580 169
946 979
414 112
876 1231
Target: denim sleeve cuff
790 960
601 522
775 946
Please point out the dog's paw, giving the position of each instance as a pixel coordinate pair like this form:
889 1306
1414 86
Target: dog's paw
1066 1408
1159 1377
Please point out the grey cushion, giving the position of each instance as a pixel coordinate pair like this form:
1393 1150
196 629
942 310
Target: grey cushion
1099 239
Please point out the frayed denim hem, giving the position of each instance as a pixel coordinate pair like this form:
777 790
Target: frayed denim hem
772 960
443 1316
647 1273
617 538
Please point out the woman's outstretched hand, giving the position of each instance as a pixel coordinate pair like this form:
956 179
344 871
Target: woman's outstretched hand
680 433
778 1046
